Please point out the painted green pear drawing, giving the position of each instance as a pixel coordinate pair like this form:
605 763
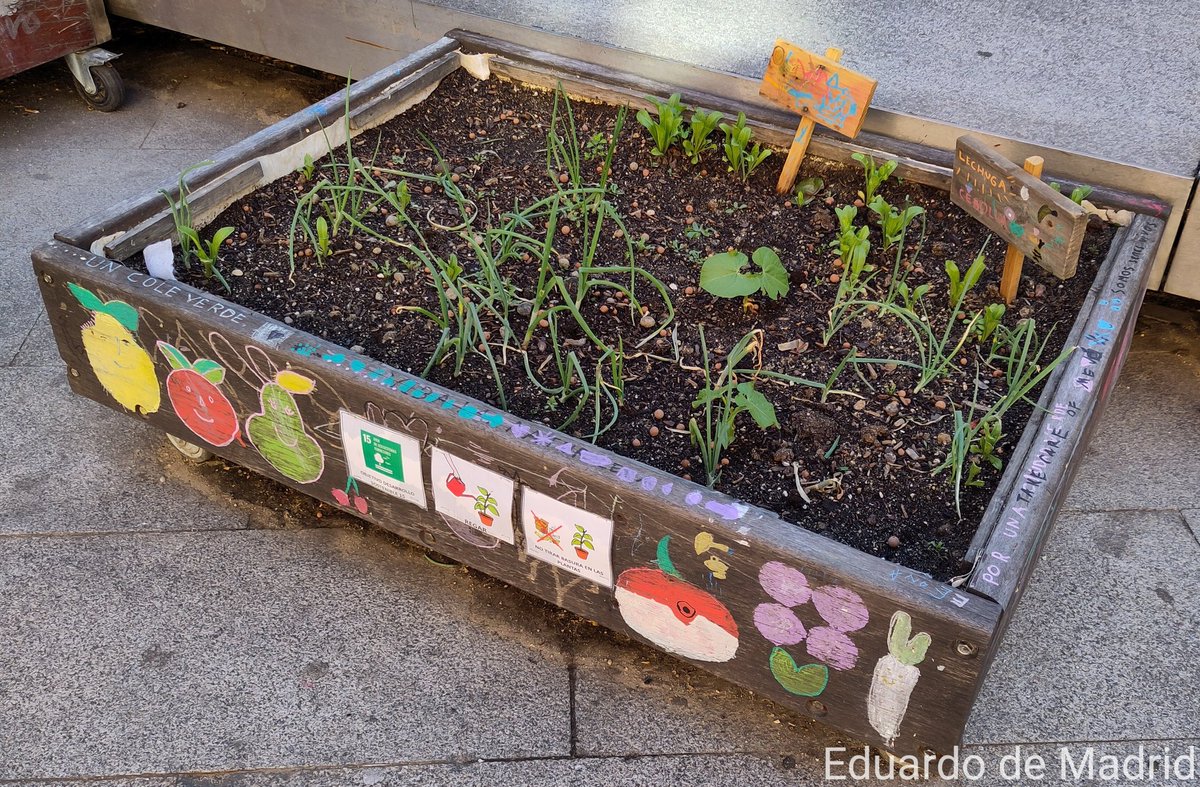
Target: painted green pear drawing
278 433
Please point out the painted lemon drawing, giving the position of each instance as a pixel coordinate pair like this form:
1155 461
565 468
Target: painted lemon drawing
122 366
278 433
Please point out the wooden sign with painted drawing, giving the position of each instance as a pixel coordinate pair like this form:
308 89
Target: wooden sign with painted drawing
819 89
1035 219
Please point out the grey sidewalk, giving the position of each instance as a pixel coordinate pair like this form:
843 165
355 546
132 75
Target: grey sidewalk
160 627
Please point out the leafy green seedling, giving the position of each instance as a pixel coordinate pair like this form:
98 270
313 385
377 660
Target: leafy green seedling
209 253
322 228
668 127
961 284
743 158
1078 194
911 297
697 142
308 169
807 190
992 315
894 223
724 275
874 176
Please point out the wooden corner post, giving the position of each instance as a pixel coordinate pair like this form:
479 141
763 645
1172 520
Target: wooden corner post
821 91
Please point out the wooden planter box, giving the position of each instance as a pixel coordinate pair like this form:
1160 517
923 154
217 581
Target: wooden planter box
398 434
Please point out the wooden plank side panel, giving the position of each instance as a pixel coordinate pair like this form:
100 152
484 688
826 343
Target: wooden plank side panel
1040 472
817 87
1046 226
782 611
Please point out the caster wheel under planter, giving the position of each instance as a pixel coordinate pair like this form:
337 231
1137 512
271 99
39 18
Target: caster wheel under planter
110 88
190 451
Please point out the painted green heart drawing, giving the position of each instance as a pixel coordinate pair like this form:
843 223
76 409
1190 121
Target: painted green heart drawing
804 681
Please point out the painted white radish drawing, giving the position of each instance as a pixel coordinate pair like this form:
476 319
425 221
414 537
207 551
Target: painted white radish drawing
895 677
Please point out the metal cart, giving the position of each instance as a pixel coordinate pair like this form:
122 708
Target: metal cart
33 32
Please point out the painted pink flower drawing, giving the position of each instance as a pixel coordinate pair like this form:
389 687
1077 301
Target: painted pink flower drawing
841 611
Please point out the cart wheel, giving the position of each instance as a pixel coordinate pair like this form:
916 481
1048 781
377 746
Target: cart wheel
190 451
110 88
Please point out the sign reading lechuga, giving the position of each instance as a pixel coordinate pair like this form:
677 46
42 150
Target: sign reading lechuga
386 459
1025 212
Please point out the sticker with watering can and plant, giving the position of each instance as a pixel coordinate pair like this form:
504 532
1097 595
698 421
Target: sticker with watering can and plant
568 537
383 458
473 495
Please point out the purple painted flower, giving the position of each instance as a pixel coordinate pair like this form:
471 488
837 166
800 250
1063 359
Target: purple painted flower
779 624
842 609
784 584
832 647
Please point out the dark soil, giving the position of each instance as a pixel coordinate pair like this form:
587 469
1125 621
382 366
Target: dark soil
876 453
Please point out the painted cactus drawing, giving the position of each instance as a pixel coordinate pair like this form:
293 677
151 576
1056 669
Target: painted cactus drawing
895 677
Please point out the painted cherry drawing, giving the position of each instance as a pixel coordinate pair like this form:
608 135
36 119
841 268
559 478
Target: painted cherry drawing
842 611
344 496
196 399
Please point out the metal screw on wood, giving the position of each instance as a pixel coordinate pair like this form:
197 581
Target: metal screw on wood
74 372
965 648
427 537
817 707
46 277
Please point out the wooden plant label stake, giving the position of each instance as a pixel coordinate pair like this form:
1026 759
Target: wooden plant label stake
1014 258
819 89
1015 204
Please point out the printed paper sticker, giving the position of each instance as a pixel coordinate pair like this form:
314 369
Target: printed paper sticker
477 497
569 537
386 459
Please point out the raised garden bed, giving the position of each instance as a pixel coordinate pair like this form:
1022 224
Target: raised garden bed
823 577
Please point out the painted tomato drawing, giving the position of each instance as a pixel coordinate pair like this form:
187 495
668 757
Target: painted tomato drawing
676 615
196 399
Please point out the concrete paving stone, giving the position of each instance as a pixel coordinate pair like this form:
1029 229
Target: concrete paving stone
39 348
72 465
1191 516
968 65
694 771
152 781
219 651
1143 452
1103 644
629 698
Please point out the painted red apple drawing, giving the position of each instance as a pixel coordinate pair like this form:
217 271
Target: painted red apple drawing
350 496
196 399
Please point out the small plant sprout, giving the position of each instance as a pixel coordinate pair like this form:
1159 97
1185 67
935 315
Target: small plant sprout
322 246
961 284
722 400
596 146
209 253
912 297
308 169
724 275
697 141
743 158
807 190
992 315
984 446
893 223
669 125
1078 194
874 176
